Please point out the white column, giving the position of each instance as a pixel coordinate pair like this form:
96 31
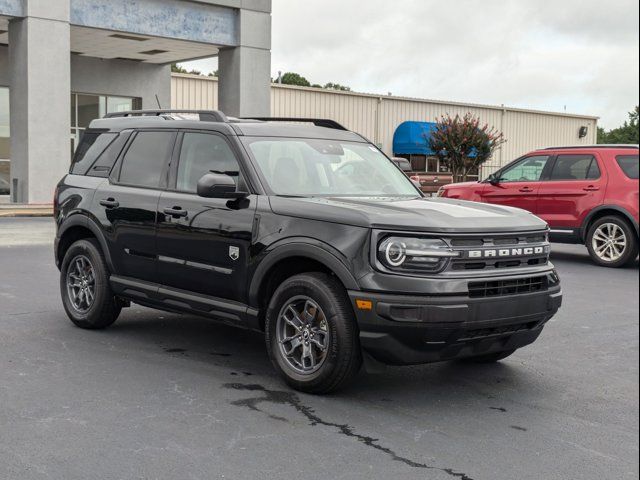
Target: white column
39 65
245 71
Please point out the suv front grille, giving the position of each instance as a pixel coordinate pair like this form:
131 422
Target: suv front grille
460 265
519 249
501 288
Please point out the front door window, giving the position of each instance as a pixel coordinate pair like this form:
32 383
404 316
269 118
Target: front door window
528 170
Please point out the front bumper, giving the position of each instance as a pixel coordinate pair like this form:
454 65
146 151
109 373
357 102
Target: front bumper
405 330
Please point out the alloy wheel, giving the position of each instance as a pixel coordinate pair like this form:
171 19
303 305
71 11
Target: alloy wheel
302 333
609 242
81 283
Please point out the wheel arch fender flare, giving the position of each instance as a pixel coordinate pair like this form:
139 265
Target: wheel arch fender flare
301 247
589 218
81 220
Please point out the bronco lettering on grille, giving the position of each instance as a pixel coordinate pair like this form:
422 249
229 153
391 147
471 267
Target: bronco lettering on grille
508 252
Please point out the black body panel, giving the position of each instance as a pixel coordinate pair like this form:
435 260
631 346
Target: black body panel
410 330
206 250
214 257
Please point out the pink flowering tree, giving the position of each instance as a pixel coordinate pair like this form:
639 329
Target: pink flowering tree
462 144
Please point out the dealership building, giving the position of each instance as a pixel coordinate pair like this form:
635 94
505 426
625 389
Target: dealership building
398 125
65 62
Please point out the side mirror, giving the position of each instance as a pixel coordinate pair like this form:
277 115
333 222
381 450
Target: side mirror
493 179
218 185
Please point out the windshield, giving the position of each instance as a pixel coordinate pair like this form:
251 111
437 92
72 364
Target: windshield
312 167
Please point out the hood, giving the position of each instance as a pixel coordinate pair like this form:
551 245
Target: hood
418 214
460 184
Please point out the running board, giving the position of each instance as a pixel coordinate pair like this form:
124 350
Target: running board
173 299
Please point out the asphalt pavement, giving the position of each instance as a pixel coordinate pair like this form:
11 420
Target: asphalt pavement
167 396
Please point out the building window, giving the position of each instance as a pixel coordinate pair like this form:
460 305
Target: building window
86 107
418 163
5 181
473 174
431 165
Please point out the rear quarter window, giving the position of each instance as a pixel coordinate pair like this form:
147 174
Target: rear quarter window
629 165
92 145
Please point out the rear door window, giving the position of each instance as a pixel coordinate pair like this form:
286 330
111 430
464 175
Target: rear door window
107 159
144 162
575 167
91 147
629 165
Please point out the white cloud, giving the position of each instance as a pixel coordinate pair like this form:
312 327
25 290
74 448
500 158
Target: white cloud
582 54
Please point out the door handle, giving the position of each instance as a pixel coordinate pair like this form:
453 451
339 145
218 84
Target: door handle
175 212
526 190
591 188
110 203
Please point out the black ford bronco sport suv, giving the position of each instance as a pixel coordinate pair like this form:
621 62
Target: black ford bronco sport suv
302 230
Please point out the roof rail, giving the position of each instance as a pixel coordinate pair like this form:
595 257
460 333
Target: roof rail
600 145
318 122
204 115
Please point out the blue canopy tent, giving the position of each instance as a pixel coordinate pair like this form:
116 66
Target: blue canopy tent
410 138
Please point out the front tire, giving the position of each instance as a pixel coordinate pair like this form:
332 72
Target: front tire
84 286
612 242
311 334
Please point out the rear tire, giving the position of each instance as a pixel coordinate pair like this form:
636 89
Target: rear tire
489 357
84 285
311 334
612 242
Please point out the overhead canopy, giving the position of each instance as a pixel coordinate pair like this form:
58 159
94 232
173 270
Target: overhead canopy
411 138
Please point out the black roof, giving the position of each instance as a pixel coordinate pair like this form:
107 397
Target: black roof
600 145
218 121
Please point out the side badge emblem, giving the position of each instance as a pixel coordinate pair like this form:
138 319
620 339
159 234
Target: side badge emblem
234 253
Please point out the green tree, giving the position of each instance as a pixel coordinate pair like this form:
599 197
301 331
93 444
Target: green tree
291 78
175 68
628 132
462 144
337 86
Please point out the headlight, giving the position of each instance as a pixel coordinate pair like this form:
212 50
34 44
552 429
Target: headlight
414 254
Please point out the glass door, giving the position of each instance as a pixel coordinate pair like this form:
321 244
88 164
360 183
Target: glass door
86 108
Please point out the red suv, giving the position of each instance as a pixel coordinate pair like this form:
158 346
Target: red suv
587 194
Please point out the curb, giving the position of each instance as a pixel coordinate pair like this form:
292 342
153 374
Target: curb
25 214
12 211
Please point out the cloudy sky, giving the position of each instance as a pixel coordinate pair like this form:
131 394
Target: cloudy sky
581 55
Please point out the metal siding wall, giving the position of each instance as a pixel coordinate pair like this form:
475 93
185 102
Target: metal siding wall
190 92
524 131
352 111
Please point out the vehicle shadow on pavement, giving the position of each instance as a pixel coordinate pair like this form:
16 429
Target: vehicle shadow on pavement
241 354
452 382
189 337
